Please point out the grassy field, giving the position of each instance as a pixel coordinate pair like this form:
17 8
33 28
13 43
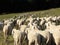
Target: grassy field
50 12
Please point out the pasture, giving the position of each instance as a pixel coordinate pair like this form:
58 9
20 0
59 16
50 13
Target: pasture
50 12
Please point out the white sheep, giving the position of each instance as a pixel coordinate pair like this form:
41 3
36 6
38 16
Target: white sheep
46 36
34 37
55 31
18 37
23 27
7 30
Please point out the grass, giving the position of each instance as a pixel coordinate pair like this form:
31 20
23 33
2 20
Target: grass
50 12
10 39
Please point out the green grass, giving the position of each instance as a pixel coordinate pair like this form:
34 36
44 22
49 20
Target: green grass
50 12
10 39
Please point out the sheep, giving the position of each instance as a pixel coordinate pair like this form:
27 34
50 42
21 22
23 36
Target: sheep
34 37
56 36
21 21
18 21
33 26
43 21
30 19
55 33
5 21
18 36
46 36
47 18
52 26
7 30
23 27
15 34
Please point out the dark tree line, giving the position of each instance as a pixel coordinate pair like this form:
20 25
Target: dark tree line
9 6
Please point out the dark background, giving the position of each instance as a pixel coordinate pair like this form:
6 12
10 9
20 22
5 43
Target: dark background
16 6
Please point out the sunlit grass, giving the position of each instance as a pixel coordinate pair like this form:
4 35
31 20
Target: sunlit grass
49 12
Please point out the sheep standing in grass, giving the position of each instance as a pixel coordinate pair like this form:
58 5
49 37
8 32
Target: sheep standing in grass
55 31
18 37
34 38
46 36
7 30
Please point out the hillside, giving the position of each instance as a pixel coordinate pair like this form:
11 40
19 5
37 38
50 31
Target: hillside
49 12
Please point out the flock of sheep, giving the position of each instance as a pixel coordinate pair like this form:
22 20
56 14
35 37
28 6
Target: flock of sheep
33 30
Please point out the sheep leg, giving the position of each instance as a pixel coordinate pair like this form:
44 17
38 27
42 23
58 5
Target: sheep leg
19 42
29 43
36 43
14 42
57 42
5 37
